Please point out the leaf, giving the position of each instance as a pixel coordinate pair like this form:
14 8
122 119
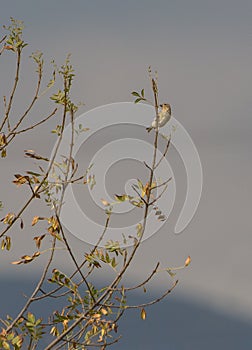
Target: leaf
3 139
139 228
161 218
104 311
8 242
8 219
113 262
145 190
54 331
142 92
31 317
31 154
140 185
92 182
3 153
143 314
32 173
138 204
17 341
172 274
105 203
27 258
123 197
20 179
134 93
188 261
17 262
35 220
21 224
51 83
6 346
38 240
124 239
153 185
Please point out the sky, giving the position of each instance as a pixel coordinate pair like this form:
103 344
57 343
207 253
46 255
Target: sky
202 51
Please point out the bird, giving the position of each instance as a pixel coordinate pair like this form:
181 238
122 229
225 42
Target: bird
163 117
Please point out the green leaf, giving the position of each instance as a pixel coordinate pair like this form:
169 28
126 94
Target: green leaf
123 197
51 83
31 317
138 204
140 185
138 100
120 198
124 239
139 228
134 93
113 262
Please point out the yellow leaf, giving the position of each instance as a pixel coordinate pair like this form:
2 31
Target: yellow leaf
104 311
38 240
54 331
17 262
3 139
188 261
35 220
27 258
8 218
36 254
6 346
104 202
143 314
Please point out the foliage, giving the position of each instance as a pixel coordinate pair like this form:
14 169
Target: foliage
90 316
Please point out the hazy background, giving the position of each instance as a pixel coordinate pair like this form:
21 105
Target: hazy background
202 51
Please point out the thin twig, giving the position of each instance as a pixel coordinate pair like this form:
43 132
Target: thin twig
39 284
34 125
30 300
107 293
50 294
152 302
9 105
33 100
164 153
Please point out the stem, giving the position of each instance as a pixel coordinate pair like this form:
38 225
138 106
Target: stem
7 112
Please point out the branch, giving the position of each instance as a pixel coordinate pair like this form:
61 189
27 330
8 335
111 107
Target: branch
34 125
7 111
164 153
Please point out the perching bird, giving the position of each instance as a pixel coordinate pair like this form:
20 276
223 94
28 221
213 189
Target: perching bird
163 117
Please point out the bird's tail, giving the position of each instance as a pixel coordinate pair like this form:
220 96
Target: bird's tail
149 129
